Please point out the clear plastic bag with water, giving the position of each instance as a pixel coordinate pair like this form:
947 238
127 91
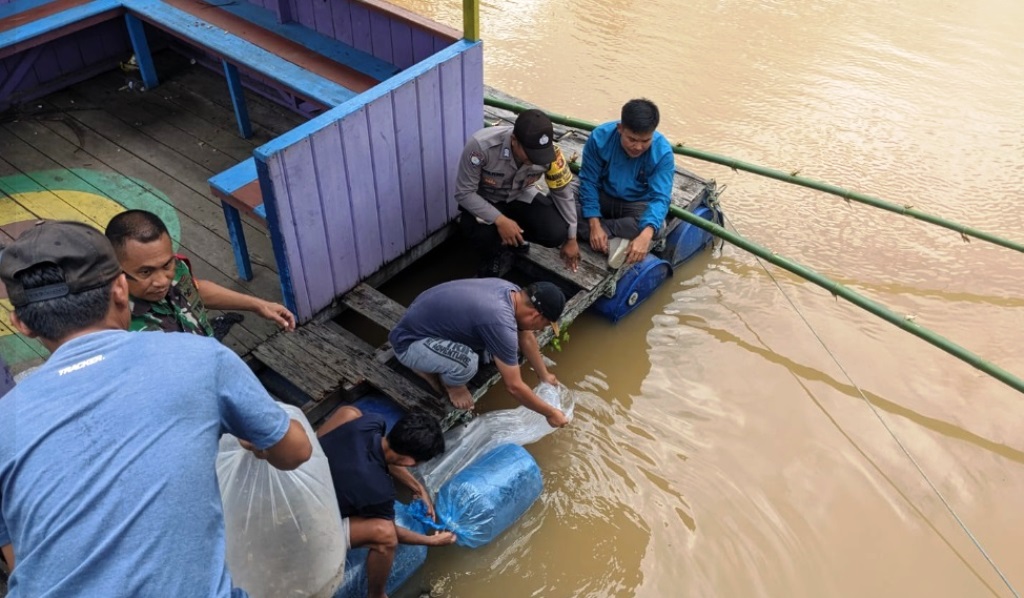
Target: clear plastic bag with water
283 528
519 426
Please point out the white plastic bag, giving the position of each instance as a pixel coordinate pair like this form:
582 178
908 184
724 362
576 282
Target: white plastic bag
283 528
519 426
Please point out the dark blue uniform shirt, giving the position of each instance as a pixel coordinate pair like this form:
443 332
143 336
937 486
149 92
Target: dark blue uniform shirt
360 473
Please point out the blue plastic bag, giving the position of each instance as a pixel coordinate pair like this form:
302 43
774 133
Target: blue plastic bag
484 499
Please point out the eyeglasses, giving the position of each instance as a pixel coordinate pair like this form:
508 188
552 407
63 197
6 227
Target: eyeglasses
145 274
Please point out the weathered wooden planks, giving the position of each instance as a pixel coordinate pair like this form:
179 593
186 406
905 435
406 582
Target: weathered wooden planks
374 305
587 276
320 361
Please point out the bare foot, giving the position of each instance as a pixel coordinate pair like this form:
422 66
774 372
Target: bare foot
431 379
441 539
461 397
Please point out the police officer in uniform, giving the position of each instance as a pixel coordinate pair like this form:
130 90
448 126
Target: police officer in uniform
501 196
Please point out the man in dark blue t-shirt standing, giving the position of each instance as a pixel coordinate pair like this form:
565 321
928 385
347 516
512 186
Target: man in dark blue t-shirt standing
364 463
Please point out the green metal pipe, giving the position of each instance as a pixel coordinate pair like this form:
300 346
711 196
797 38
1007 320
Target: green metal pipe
857 299
791 177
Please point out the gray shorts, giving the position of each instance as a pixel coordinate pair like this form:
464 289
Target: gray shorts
455 363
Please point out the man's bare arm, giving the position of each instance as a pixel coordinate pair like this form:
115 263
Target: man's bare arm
292 450
513 379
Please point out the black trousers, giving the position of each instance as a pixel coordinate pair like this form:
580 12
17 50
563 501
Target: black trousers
540 221
619 218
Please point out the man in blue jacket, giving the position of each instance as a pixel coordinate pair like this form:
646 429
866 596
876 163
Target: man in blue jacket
626 184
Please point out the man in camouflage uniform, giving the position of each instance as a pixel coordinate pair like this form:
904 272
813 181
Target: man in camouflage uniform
181 310
499 191
164 294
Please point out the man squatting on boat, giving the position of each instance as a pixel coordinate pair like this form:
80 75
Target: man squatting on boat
498 187
453 326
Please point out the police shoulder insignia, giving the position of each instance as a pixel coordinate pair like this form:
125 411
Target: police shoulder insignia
476 159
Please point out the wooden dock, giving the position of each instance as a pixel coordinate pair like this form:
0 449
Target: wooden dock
88 151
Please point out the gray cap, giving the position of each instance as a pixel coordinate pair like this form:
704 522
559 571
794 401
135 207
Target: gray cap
82 252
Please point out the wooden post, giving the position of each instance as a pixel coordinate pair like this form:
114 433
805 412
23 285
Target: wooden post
471 20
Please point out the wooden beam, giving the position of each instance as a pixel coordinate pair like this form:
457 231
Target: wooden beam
378 307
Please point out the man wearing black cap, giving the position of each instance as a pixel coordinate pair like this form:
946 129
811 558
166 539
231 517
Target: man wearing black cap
447 329
499 191
107 451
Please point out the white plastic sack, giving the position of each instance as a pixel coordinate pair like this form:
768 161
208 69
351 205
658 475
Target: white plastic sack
284 535
519 426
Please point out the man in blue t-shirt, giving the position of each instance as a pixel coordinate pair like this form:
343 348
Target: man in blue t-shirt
364 464
626 184
450 327
107 451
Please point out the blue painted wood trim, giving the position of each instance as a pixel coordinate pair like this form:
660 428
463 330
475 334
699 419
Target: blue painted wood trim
19 72
321 44
237 93
56 21
137 33
19 6
283 10
337 113
237 233
239 51
276 239
234 178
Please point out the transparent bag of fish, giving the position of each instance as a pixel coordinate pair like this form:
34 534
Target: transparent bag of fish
283 528
463 444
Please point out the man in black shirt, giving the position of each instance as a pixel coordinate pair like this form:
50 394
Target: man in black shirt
364 463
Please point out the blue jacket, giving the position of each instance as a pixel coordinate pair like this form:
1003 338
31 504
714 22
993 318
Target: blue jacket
606 166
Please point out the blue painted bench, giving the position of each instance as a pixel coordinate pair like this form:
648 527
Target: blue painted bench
27 24
232 50
239 191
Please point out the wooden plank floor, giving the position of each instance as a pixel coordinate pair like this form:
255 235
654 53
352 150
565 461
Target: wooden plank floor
159 146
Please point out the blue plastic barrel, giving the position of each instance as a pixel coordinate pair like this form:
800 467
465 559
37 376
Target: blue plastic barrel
407 560
635 286
686 240
488 496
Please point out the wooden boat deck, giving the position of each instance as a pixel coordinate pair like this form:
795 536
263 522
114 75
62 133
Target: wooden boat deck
165 144
158 146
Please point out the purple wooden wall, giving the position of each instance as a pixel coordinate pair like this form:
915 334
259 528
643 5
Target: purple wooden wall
365 27
62 62
359 185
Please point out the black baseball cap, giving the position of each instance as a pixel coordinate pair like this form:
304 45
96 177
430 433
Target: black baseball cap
548 299
82 252
534 132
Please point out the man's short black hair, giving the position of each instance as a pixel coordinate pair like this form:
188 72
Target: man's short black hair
640 116
134 225
417 435
54 319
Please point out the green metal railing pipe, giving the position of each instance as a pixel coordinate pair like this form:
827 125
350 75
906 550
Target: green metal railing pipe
471 20
857 299
791 177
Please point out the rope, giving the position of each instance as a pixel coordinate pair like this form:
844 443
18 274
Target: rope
945 503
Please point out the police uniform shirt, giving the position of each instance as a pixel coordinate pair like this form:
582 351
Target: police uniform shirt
488 174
